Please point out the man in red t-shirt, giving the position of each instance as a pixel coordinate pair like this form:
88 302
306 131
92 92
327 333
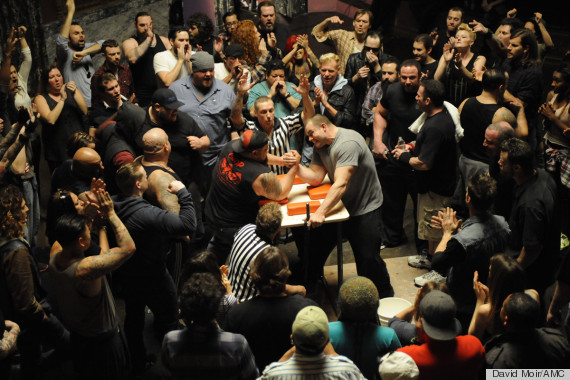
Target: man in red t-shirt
444 355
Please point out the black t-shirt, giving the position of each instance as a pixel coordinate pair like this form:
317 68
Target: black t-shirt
435 146
430 69
231 201
184 160
475 117
526 84
535 220
403 112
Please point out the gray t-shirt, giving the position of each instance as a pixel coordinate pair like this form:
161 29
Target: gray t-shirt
79 73
363 193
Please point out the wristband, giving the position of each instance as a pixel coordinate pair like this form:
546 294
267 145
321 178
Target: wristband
405 157
286 96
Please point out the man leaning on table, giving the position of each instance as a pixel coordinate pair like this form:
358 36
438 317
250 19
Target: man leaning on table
241 177
344 156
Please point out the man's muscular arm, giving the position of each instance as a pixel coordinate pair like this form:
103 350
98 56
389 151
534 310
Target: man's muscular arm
133 50
158 186
379 127
342 177
267 185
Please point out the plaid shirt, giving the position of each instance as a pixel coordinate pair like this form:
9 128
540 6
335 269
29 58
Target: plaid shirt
344 43
257 73
125 79
370 101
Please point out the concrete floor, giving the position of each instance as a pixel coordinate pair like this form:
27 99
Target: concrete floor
396 258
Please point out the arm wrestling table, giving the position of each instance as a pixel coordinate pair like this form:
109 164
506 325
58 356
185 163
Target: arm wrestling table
338 214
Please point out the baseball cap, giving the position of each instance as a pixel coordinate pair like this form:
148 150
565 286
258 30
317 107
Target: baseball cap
398 366
166 98
311 330
437 311
250 140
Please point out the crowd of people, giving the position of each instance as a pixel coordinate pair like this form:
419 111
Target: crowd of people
166 171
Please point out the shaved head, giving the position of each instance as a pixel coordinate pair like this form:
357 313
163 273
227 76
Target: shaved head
86 163
86 156
154 140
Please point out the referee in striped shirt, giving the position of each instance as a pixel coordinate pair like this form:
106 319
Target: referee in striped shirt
279 130
248 242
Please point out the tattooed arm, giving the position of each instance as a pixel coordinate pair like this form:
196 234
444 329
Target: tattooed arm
92 268
267 185
158 188
8 341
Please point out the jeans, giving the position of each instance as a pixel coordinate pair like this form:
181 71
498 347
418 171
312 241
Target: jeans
30 190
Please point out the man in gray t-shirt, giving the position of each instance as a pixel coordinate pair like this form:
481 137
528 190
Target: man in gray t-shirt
343 155
74 54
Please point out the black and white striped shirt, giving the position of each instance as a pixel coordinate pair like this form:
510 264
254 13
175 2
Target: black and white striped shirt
247 244
283 129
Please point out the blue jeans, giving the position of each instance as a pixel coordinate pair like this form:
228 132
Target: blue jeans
30 190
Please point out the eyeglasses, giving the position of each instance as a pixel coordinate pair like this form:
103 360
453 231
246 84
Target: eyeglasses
373 50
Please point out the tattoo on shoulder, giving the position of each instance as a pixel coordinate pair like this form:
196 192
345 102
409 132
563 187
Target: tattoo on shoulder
271 185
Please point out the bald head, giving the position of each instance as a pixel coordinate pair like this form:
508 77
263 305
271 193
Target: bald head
154 140
86 156
86 163
495 134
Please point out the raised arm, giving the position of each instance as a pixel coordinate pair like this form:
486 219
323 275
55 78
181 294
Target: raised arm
236 115
64 31
545 35
133 50
308 106
26 65
521 123
446 57
319 29
94 267
7 59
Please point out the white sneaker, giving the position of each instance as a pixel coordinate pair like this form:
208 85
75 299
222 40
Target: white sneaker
419 261
431 276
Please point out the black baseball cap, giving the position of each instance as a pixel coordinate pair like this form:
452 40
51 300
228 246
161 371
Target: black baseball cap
166 98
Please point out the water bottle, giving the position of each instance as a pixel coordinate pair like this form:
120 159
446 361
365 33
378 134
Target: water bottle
401 143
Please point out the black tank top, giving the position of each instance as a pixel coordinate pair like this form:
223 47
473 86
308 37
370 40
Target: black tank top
475 117
143 73
149 169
